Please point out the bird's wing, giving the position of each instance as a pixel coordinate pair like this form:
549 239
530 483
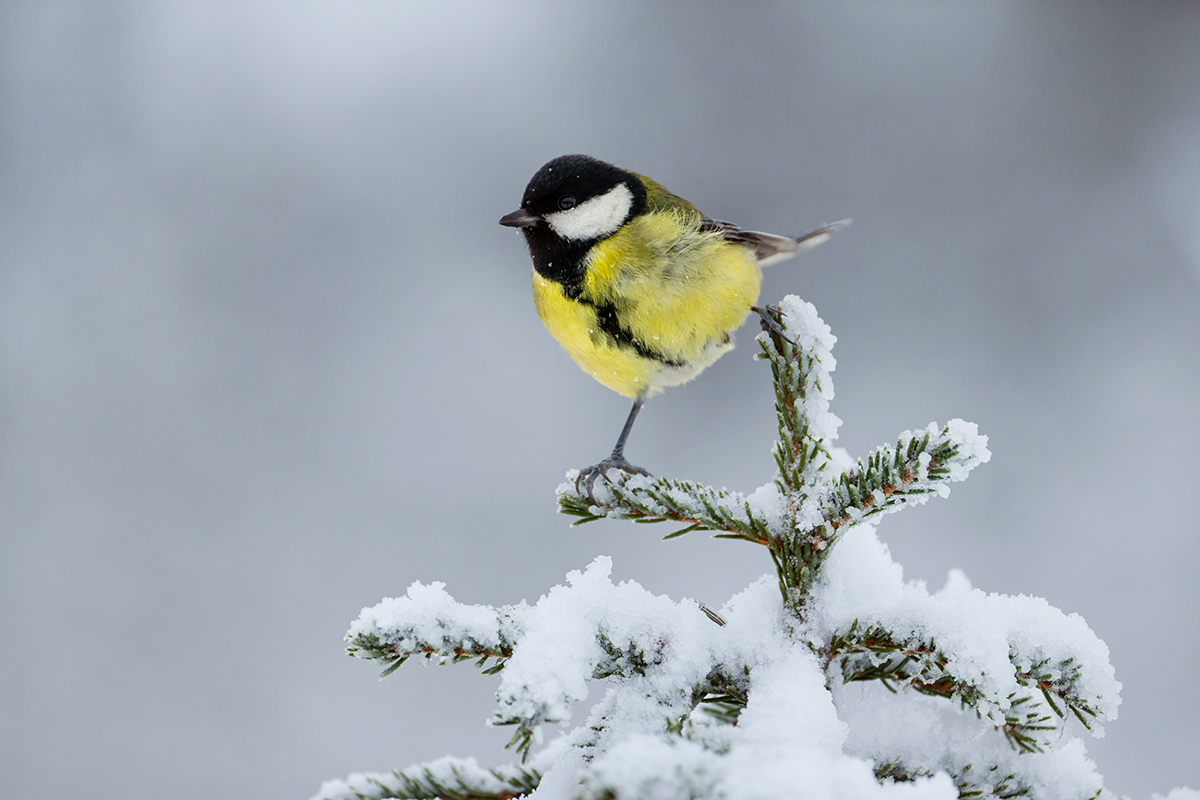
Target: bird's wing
771 248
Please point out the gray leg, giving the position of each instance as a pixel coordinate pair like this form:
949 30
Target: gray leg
586 481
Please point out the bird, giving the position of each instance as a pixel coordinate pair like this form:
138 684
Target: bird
642 289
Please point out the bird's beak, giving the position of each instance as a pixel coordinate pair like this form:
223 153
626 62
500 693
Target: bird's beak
520 219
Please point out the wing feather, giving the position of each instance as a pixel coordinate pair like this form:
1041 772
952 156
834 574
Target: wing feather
771 248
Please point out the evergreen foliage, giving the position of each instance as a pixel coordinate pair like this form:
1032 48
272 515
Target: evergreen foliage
695 709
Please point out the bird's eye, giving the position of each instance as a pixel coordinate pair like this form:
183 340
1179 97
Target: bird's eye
566 201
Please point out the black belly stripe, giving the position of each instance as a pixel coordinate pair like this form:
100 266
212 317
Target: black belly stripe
610 324
566 264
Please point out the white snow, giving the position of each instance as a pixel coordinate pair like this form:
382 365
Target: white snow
816 340
989 663
1179 794
428 617
983 635
803 733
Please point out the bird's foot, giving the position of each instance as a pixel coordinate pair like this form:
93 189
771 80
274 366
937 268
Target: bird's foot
585 482
770 325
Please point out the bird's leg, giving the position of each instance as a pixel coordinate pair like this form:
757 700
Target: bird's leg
618 452
587 477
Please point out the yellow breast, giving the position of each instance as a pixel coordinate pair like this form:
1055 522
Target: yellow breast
676 293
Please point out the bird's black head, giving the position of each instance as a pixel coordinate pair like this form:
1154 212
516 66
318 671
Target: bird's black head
571 203
569 186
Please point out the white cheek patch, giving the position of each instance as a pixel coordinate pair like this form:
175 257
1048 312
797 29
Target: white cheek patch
594 218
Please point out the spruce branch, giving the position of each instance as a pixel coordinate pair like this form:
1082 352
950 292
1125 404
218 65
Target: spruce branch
456 779
428 622
692 709
648 500
920 464
722 694
800 376
810 504
1047 690
970 782
370 647
619 657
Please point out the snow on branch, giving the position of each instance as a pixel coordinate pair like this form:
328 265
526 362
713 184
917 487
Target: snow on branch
589 630
834 677
461 779
429 622
644 499
811 502
921 464
1047 692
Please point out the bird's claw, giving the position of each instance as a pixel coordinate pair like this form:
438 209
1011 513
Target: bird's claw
587 477
770 325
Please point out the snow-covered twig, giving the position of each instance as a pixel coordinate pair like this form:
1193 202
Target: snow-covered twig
844 681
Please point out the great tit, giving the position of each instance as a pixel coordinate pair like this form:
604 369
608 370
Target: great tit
642 289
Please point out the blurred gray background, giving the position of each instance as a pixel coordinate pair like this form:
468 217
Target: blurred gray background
266 357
